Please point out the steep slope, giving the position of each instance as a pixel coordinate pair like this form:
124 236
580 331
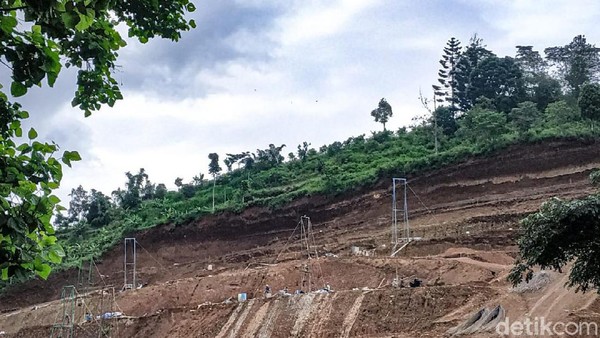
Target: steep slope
467 215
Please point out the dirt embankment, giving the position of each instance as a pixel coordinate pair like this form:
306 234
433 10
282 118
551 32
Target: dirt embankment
472 205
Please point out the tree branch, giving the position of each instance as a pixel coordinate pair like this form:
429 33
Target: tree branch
12 8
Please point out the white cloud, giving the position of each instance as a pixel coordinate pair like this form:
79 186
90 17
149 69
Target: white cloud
540 23
311 20
304 71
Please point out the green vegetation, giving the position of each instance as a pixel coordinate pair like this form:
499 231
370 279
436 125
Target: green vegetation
38 38
463 127
486 103
382 113
562 232
336 168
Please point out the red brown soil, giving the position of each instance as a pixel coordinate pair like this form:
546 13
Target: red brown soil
467 214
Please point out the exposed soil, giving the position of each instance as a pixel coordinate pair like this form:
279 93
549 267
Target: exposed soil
467 216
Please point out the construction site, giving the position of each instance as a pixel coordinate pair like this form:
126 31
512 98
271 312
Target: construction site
420 256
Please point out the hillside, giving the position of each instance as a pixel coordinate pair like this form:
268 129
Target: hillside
467 215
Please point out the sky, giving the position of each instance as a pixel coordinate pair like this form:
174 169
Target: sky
256 72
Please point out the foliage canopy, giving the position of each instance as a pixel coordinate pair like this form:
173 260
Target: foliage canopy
38 39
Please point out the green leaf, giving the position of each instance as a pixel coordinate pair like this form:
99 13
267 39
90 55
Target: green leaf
18 132
43 270
193 23
56 254
36 29
7 23
69 156
5 274
84 22
49 240
32 134
54 199
70 19
190 7
72 155
17 89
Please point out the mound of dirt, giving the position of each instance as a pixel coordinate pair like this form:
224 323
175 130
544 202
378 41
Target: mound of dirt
497 257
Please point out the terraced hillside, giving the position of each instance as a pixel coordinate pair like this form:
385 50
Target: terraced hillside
467 216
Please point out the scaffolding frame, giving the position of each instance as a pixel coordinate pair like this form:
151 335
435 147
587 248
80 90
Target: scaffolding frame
129 264
106 307
84 283
399 243
309 248
63 325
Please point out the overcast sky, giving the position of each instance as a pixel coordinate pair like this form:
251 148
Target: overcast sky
256 72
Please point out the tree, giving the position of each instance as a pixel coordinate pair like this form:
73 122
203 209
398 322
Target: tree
29 172
303 151
589 102
433 118
98 213
178 182
444 92
524 116
161 191
79 204
383 112
138 188
559 113
445 120
38 39
234 158
538 85
83 35
498 79
214 169
530 61
228 163
482 124
197 180
468 61
562 232
578 63
248 161
545 91
266 158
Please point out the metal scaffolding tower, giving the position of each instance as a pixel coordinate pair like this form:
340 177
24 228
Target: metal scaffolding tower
309 251
398 243
129 264
106 305
85 276
63 325
308 238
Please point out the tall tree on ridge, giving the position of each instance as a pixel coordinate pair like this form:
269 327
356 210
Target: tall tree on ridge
214 169
498 79
445 91
539 86
578 63
382 113
468 61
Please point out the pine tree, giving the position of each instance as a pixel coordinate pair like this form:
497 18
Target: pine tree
444 92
